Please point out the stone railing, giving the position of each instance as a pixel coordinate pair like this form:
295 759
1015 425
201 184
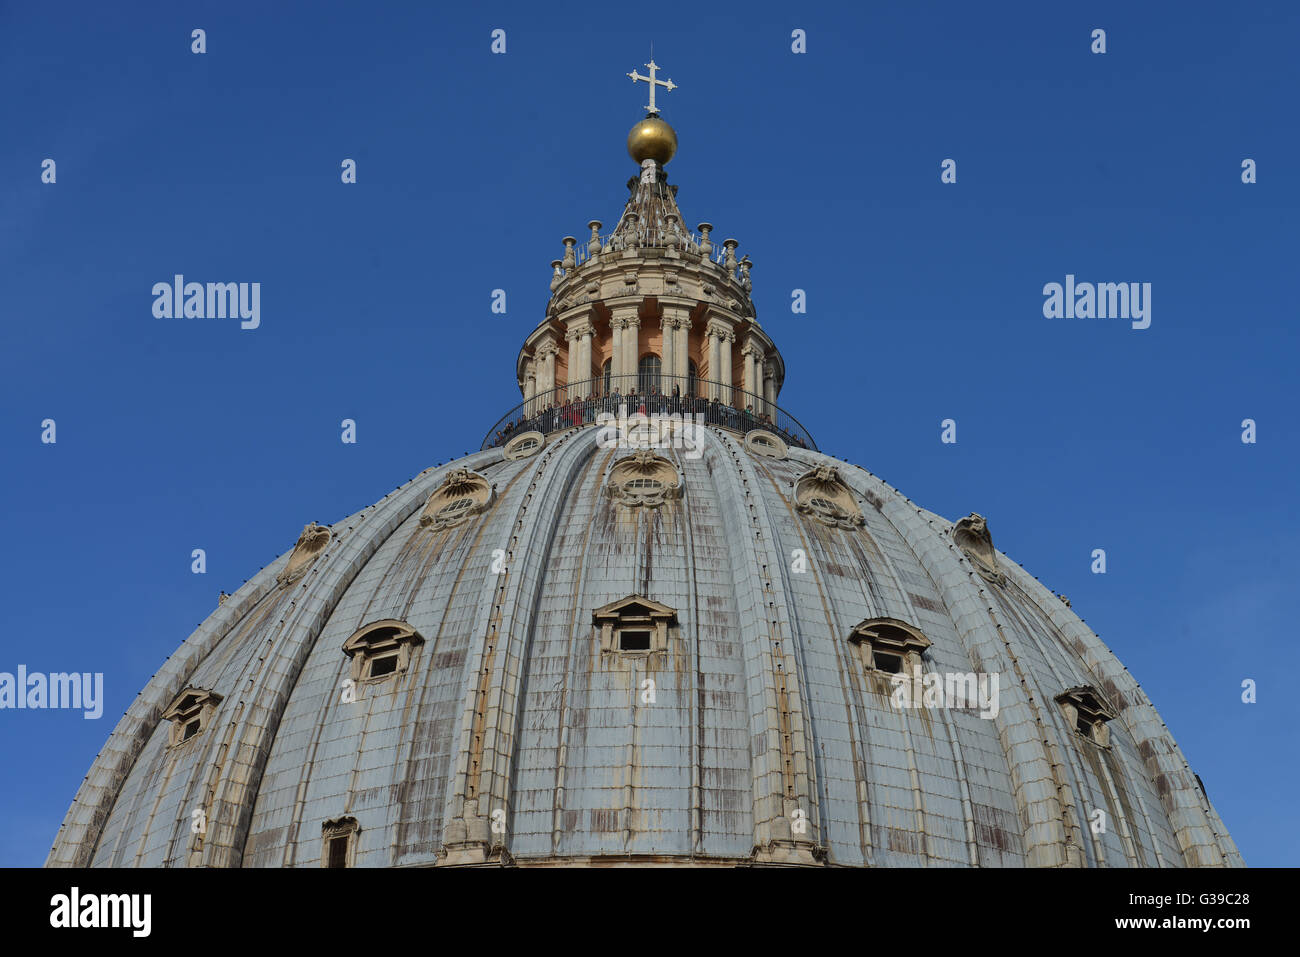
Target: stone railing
579 404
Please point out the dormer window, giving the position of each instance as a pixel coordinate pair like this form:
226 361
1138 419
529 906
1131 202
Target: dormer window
644 485
1087 712
190 713
890 664
381 650
823 495
454 507
339 842
889 646
644 479
762 442
522 446
462 494
634 626
633 640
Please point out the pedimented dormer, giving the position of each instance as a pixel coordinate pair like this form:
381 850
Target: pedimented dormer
190 713
462 494
1087 713
823 495
634 625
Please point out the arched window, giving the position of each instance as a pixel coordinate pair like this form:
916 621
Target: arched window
605 372
648 374
381 649
889 645
691 377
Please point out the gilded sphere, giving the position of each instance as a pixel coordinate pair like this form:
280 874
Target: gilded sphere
652 138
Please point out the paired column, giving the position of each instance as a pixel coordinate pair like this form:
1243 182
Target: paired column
579 336
720 337
626 325
676 326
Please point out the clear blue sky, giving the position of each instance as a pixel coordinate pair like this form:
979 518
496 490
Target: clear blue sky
924 302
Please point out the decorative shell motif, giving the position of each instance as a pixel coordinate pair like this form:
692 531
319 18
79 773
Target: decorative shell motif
971 535
310 544
644 478
462 493
822 494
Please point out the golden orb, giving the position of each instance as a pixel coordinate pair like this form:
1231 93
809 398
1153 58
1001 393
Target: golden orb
652 138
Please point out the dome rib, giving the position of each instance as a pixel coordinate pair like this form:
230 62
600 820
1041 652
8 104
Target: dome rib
1146 729
1045 819
779 686
481 784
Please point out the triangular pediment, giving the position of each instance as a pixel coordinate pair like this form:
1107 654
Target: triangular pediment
633 606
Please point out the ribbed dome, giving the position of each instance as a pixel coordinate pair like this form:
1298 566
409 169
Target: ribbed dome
563 649
768 738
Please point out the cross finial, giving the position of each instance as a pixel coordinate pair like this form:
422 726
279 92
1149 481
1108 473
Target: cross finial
653 81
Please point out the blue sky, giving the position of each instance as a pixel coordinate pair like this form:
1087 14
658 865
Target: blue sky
924 302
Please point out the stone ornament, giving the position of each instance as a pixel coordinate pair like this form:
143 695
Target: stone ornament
822 494
463 493
306 550
644 479
971 535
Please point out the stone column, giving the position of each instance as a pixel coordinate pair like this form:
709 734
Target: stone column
683 351
753 354
530 385
546 376
584 350
711 336
631 337
668 329
616 350
769 388
676 326
623 366
724 349
579 335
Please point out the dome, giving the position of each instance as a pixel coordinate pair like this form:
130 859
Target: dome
647 623
762 717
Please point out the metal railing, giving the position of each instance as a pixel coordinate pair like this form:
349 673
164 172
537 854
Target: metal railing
579 404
